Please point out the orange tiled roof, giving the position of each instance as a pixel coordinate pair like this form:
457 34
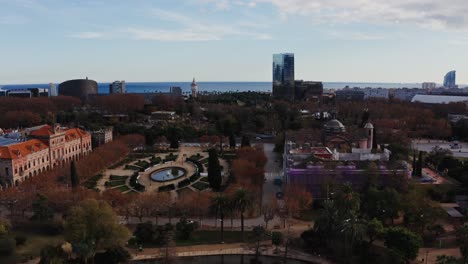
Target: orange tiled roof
21 149
74 133
43 131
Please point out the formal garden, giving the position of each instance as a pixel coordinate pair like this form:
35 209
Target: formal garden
179 171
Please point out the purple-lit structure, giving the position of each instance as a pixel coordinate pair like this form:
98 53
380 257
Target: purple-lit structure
319 169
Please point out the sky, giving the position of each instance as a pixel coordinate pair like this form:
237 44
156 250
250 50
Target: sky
407 41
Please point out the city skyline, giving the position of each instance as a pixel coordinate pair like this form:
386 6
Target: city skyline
333 41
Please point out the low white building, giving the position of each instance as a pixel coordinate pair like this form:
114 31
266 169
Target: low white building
406 94
439 99
375 93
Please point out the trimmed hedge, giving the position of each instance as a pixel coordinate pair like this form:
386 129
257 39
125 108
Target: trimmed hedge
91 183
167 188
204 179
114 183
118 178
143 164
155 160
170 157
196 157
194 177
131 167
123 188
183 183
135 184
197 163
200 185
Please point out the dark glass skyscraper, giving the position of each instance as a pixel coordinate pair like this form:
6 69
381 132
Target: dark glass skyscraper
450 79
283 68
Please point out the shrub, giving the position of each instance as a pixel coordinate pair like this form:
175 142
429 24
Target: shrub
155 160
114 183
143 164
131 167
194 177
135 184
183 183
20 240
200 185
198 164
7 246
115 254
167 188
118 178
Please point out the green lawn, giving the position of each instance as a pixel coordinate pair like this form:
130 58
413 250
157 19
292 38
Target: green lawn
131 167
90 184
118 178
200 185
114 183
143 164
204 179
213 237
32 247
123 188
196 157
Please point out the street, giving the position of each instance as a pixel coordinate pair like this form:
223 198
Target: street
429 145
272 171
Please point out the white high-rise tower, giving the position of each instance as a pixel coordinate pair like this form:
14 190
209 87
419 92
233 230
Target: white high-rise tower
194 87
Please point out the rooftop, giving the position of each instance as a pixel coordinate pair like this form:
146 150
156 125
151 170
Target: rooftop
334 126
7 141
21 149
438 99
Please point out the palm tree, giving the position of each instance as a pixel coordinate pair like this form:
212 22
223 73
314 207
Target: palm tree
219 205
243 201
328 221
353 230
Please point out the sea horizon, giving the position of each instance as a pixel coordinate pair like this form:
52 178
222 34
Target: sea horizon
161 87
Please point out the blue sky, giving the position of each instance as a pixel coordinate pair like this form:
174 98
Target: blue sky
232 40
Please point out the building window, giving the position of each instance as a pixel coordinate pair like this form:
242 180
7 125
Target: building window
7 172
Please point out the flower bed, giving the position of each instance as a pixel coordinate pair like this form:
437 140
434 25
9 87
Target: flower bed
118 178
167 188
114 183
200 185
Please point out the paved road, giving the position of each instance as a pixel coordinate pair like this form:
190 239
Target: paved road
429 145
272 171
206 222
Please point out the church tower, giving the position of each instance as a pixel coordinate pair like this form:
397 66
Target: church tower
194 88
369 128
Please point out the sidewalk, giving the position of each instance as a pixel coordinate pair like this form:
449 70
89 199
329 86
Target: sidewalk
266 249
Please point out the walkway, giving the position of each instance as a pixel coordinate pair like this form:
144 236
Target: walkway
266 249
272 171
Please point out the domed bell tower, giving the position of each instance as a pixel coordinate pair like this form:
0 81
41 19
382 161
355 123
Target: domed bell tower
194 88
369 128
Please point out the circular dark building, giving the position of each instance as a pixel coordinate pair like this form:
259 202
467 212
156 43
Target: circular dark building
81 88
334 127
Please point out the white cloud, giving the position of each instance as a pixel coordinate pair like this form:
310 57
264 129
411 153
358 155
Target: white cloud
185 28
355 35
87 35
462 41
167 35
182 28
435 14
12 20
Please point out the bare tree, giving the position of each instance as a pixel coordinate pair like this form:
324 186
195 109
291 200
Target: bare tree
269 210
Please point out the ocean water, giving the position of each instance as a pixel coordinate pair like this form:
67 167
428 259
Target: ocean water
150 87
